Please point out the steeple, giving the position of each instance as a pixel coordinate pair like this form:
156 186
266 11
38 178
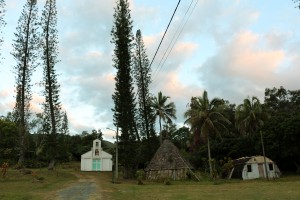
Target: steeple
96 150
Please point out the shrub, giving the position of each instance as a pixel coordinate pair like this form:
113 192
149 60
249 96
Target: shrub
167 181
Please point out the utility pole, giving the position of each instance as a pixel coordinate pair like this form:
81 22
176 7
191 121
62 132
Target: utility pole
263 149
117 153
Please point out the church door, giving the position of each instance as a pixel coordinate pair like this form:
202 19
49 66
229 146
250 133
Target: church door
96 165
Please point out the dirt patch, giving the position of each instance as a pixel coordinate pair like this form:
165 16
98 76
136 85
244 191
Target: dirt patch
86 188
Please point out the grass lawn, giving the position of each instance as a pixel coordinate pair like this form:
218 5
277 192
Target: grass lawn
284 188
19 186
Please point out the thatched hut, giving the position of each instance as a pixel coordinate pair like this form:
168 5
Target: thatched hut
168 163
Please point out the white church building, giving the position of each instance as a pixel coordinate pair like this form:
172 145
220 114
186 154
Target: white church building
96 159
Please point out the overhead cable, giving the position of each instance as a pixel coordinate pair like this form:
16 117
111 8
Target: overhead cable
182 25
164 33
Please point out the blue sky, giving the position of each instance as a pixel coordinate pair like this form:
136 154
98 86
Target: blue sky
233 49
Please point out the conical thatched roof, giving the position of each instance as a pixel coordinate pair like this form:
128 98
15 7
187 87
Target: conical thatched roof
167 157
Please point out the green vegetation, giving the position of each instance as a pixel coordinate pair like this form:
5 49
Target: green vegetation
205 117
44 184
40 184
25 52
284 188
52 115
164 110
249 190
124 101
144 115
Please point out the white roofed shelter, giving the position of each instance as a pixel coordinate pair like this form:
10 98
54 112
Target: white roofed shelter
253 167
96 159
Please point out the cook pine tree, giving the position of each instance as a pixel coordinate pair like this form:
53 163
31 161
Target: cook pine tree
25 52
65 124
145 114
142 75
52 105
123 97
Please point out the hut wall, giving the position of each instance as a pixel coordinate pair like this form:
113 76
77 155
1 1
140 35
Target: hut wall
173 174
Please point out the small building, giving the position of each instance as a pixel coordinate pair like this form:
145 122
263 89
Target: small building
168 163
96 159
254 167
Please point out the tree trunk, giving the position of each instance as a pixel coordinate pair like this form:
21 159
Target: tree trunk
263 149
209 158
297 167
160 134
51 164
117 154
137 133
22 147
22 130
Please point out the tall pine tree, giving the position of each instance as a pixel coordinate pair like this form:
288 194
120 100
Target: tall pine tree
52 105
65 124
123 97
141 71
25 48
145 116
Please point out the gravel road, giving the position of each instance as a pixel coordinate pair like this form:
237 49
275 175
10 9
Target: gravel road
85 189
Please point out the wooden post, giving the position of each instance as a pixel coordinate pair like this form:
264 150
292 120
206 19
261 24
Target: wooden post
263 149
117 153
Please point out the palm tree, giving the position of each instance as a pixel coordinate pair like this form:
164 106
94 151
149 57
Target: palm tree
205 116
165 111
249 118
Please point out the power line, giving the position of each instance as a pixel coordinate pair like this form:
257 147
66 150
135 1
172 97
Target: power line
182 25
178 35
162 40
173 41
164 34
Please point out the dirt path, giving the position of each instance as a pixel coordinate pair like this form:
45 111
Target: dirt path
85 189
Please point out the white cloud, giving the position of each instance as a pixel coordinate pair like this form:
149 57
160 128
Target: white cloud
243 68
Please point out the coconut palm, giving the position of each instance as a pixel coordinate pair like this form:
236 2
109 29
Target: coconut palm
165 111
249 118
205 116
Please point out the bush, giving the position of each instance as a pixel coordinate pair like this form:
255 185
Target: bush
140 175
167 181
31 163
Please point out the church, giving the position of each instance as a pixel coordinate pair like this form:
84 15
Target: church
96 159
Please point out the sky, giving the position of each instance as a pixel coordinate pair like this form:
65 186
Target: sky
233 49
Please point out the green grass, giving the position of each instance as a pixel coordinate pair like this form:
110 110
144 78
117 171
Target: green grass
18 186
284 188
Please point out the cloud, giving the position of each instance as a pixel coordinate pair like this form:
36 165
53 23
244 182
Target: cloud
6 103
242 65
289 75
179 93
249 61
36 103
219 19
